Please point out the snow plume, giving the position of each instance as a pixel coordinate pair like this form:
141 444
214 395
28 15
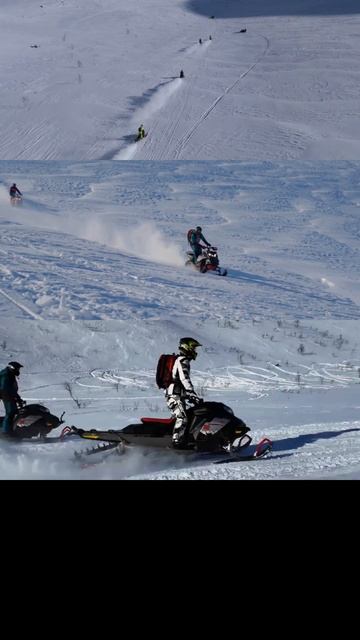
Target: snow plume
158 99
4 194
144 241
327 282
127 153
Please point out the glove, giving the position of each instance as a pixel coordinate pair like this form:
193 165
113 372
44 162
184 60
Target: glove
193 398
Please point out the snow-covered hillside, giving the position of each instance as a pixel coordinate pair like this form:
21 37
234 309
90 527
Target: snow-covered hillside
259 143
93 288
79 76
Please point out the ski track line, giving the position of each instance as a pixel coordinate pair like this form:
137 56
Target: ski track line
169 133
21 306
183 142
78 21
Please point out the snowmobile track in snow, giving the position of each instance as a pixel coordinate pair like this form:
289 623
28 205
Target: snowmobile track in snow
20 305
185 139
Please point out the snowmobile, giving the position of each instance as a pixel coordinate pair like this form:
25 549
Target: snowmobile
138 137
208 260
16 200
33 420
213 429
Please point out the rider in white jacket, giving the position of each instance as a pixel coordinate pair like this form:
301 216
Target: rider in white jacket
182 389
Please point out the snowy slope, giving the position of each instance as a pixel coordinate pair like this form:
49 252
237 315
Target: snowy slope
79 76
93 289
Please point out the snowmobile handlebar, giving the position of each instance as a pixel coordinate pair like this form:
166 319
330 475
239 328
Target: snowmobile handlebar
20 406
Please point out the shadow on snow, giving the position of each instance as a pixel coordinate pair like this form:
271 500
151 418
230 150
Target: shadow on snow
290 288
297 442
252 8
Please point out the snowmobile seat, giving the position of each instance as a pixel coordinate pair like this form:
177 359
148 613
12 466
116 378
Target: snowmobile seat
158 420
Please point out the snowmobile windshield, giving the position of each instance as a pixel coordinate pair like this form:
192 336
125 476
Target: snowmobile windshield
228 409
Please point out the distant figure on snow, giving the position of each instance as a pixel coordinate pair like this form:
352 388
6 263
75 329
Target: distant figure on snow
200 41
141 133
14 191
195 237
210 38
182 74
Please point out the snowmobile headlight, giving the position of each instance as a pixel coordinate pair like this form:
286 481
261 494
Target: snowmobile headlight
228 409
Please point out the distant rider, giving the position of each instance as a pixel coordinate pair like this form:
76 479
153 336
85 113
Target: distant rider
14 191
182 389
141 132
195 238
9 394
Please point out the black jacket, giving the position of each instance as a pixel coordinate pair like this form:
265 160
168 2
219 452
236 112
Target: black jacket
8 385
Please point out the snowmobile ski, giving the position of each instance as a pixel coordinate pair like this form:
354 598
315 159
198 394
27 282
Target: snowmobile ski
263 448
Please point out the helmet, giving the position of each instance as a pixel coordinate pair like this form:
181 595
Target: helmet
198 229
187 346
15 367
14 184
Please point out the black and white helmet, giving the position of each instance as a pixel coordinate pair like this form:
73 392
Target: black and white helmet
188 346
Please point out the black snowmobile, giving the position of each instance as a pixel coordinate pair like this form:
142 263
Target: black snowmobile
213 427
208 260
33 420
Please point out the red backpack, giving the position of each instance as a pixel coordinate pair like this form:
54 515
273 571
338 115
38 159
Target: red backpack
189 234
164 376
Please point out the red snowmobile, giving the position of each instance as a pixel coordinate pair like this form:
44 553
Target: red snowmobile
208 260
